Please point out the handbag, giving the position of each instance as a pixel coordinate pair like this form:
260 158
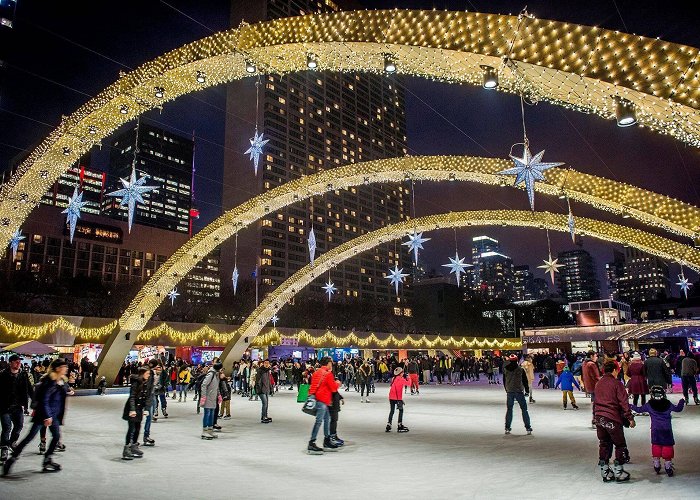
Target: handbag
310 405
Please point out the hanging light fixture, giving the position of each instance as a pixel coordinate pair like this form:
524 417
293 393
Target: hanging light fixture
158 92
249 66
490 77
66 151
92 130
201 77
311 61
389 64
625 112
123 109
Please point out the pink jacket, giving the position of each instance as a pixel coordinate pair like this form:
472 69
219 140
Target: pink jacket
397 385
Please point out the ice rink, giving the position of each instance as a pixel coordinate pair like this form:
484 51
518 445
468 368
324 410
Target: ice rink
456 448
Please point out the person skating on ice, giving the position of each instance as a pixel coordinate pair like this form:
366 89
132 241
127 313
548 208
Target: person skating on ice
516 387
567 382
662 442
396 399
137 405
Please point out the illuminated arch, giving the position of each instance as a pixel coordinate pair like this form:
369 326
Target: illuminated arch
647 242
581 67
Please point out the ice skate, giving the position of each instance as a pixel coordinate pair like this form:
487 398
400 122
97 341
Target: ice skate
575 406
402 428
206 435
126 454
312 449
329 445
8 465
336 440
136 451
507 431
529 432
42 447
657 465
50 466
621 475
147 441
605 471
669 468
388 427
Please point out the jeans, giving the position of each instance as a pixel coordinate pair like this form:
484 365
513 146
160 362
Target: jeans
264 399
551 375
208 419
689 384
322 415
147 424
55 437
520 398
182 389
394 403
12 423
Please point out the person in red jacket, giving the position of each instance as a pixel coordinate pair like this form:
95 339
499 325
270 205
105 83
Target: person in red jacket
396 398
612 412
323 385
591 376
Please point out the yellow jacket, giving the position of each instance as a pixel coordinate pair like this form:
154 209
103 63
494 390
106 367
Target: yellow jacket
184 376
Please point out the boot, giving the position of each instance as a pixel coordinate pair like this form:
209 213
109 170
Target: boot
210 431
575 406
42 447
669 468
312 449
401 428
656 462
165 414
60 447
4 453
531 400
388 427
126 454
605 471
621 475
135 450
147 441
529 431
507 431
329 445
565 405
206 435
50 465
8 465
336 440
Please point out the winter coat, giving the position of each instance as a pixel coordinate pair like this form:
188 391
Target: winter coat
323 385
567 381
657 371
138 399
50 399
689 367
396 389
22 390
210 389
611 400
591 375
515 379
660 413
529 371
224 389
638 378
262 381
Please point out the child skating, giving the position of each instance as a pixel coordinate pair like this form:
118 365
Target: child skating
567 382
396 398
544 381
659 409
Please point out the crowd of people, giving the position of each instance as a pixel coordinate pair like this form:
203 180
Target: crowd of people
610 380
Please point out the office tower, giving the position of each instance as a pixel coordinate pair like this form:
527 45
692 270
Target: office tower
645 277
577 278
315 121
613 272
167 159
88 181
480 245
496 276
203 282
526 286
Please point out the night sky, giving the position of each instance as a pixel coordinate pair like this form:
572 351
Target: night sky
83 48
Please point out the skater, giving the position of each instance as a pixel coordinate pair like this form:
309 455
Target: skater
337 401
364 378
134 410
15 393
225 391
396 399
412 369
657 371
612 412
183 382
515 383
637 385
152 379
322 386
102 387
49 405
659 409
209 400
263 388
591 376
567 382
689 369
544 381
529 368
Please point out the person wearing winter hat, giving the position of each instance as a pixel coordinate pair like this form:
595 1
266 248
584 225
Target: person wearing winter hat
637 385
515 383
567 382
396 398
49 406
15 393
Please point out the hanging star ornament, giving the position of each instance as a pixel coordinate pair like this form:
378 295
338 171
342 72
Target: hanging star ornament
312 246
255 149
131 193
75 205
14 242
684 284
551 266
172 295
457 266
330 289
414 243
234 278
528 169
572 226
396 277
274 319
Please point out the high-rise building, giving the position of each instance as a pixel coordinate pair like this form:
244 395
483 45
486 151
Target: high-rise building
88 181
613 272
577 278
526 286
203 282
645 277
314 121
167 159
496 276
480 244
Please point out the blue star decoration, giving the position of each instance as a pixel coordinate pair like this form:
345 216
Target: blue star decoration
255 149
312 246
172 295
396 276
14 242
234 278
414 243
132 193
274 320
330 289
528 169
75 205
457 266
684 284
572 226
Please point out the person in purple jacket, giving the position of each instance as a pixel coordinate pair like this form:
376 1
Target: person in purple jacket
659 409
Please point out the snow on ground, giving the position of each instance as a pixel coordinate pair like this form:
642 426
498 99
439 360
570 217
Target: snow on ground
456 448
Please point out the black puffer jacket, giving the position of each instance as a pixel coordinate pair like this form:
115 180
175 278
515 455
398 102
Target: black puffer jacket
138 397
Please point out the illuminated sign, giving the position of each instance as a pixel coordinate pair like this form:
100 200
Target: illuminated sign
96 232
